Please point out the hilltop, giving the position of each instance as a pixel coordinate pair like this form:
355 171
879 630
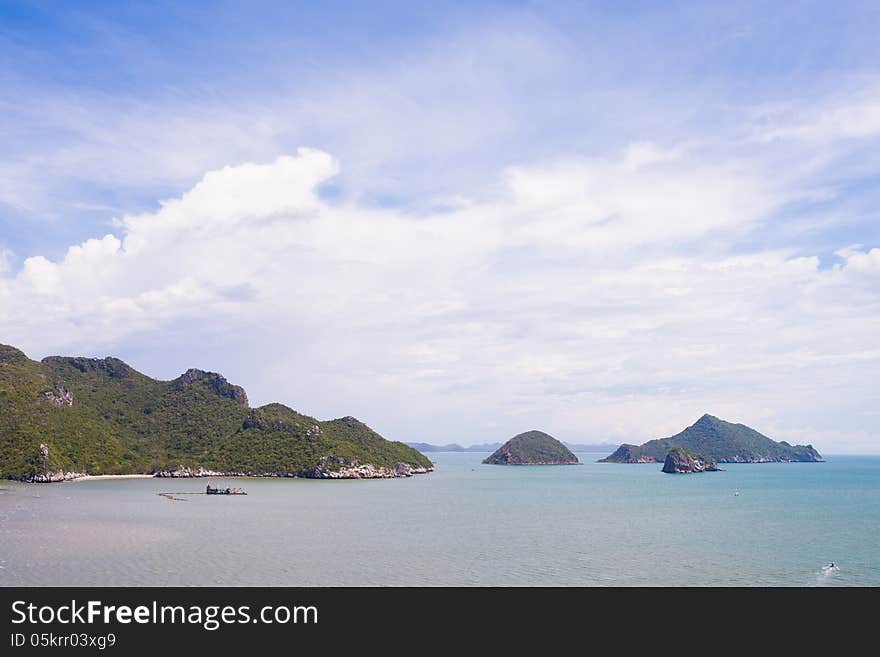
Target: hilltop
713 438
532 448
64 417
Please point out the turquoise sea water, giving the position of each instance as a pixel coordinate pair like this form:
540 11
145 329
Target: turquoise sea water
465 524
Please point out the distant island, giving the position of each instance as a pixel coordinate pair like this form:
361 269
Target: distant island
723 442
532 448
491 447
65 417
454 447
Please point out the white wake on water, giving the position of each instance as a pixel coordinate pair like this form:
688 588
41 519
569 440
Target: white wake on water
826 575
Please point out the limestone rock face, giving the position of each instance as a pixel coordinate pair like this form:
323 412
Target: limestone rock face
337 467
57 475
680 461
183 472
217 381
329 467
43 475
113 367
59 397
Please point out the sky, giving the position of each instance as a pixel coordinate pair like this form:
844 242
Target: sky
457 221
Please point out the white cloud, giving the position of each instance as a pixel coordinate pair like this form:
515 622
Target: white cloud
403 116
831 121
6 257
570 302
864 262
640 154
603 204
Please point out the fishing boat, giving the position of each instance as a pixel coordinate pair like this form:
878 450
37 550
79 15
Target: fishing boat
224 491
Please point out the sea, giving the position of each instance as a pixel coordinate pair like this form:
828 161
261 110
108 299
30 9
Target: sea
466 524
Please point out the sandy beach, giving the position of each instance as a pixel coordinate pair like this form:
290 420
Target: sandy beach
125 476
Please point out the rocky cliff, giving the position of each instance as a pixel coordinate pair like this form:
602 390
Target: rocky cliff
681 461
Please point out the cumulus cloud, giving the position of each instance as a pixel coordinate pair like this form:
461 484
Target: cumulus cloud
863 262
523 229
590 298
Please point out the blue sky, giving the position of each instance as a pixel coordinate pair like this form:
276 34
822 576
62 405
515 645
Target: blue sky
599 219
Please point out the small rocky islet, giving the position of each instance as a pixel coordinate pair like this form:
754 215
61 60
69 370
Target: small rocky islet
681 461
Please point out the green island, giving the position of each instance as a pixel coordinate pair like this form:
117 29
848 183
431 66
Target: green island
713 439
67 417
532 448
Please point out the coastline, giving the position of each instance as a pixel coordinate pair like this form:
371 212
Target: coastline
351 471
119 476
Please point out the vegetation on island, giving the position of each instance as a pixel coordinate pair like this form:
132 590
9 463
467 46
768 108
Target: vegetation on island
713 438
100 416
532 448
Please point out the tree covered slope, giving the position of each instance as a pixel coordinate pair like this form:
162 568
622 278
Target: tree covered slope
722 441
532 448
100 416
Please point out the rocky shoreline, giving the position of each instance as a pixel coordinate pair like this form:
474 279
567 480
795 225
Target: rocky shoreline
352 470
54 477
539 463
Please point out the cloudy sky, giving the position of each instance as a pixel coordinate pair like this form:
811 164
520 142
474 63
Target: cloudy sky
457 220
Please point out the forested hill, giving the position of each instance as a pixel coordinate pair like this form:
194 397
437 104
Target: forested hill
67 416
725 442
532 448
